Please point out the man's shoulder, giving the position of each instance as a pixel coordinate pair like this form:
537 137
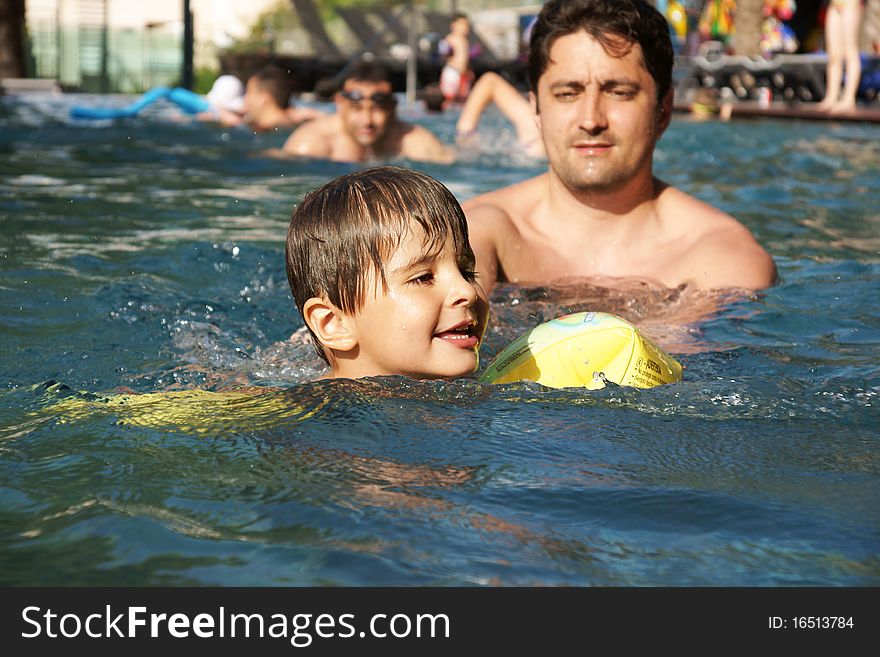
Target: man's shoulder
723 252
507 200
413 132
323 126
317 133
418 143
326 124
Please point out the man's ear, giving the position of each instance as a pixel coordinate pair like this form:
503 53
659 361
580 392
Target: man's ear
533 102
329 324
665 112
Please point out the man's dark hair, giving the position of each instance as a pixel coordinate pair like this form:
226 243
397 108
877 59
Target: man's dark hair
342 233
367 71
607 21
326 88
275 81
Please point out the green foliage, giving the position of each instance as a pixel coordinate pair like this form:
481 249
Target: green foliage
203 78
262 32
282 16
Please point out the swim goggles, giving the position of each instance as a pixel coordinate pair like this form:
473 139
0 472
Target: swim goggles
379 98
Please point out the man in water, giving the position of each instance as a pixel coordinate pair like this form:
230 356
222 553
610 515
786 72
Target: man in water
365 126
266 101
601 74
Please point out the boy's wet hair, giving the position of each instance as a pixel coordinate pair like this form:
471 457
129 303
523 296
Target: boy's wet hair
343 233
607 21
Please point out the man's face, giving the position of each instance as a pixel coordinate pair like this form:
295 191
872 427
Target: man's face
366 110
598 115
253 97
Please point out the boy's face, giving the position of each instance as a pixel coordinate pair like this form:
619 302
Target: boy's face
430 321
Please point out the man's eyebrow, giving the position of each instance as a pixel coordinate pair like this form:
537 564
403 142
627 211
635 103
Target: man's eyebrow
606 82
621 82
570 84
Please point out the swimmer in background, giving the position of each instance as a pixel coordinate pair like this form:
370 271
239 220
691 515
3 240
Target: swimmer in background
490 89
457 77
706 104
226 99
601 79
382 273
365 126
843 20
267 101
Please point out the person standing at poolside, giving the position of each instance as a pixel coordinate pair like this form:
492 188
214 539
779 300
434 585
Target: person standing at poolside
843 20
365 126
601 79
456 77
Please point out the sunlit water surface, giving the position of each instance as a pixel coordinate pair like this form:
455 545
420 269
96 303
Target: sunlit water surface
146 255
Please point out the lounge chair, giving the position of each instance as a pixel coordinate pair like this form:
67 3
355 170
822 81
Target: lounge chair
311 21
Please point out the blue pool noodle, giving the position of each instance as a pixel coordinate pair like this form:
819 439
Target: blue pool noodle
188 101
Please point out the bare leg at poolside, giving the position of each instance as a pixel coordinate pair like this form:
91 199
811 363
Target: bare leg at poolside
492 88
842 23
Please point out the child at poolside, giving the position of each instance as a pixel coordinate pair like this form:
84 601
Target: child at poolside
382 272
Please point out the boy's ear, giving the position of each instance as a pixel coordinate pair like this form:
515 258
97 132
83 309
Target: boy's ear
329 324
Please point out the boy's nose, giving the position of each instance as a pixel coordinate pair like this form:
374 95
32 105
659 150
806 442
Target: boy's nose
462 292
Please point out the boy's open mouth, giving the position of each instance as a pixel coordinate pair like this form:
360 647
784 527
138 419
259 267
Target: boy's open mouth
462 335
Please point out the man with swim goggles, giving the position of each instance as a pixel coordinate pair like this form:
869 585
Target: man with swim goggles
383 100
365 126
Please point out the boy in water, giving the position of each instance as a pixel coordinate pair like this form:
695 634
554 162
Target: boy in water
382 272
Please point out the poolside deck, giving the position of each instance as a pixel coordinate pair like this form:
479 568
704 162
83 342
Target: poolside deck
803 111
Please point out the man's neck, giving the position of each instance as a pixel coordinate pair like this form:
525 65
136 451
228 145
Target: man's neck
386 146
627 205
270 118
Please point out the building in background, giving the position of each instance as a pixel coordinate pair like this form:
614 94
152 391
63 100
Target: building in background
129 45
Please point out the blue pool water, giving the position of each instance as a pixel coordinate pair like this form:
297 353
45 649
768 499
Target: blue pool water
146 255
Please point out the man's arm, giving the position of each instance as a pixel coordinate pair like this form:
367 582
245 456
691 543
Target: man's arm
421 144
308 140
733 259
484 223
